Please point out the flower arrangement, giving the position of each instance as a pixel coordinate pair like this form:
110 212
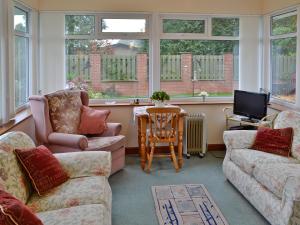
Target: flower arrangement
158 97
203 94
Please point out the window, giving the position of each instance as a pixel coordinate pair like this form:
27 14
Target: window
113 63
80 25
21 56
283 56
189 66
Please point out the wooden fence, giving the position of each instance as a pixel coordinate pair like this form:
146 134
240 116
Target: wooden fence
78 66
208 67
283 74
118 68
170 67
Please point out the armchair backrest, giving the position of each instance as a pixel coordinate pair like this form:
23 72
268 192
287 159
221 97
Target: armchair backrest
41 114
290 119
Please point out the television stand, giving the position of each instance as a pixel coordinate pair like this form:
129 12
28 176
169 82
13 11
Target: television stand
243 121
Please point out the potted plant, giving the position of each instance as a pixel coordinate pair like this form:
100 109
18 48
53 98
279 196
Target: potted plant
158 97
203 94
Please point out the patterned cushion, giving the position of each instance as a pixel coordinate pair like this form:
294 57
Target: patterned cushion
247 159
74 192
106 143
290 119
95 214
64 109
275 176
43 169
13 211
12 178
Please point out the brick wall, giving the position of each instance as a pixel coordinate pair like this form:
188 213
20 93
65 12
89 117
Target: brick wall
183 86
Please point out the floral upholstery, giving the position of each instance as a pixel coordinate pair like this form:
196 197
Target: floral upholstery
290 119
74 192
270 182
80 164
276 176
64 109
95 214
12 178
247 159
105 143
83 200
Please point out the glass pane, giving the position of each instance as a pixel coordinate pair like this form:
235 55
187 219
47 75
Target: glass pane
124 25
21 71
183 26
188 67
20 20
108 68
283 64
225 27
79 25
284 24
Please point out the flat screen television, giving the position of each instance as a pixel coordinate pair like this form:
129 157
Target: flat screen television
250 104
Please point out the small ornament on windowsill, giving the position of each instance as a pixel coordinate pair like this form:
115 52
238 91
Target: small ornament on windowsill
203 94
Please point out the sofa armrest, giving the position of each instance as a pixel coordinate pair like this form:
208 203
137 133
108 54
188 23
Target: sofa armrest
292 188
89 163
70 140
113 129
239 139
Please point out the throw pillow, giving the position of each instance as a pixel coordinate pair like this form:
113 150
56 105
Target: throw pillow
276 141
93 121
43 169
64 111
14 212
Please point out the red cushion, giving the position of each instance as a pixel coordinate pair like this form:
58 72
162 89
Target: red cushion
13 211
43 169
93 121
276 141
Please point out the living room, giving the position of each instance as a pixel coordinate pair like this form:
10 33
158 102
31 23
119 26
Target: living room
120 58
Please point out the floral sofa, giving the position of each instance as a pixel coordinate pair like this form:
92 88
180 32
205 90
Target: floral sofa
270 182
85 199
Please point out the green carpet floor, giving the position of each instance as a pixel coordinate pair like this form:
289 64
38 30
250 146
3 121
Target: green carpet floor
132 199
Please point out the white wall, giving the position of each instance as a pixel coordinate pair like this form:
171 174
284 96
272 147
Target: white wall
52 52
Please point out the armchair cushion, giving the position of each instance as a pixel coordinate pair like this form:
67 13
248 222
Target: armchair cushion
113 129
74 192
93 121
13 211
64 110
80 164
43 169
70 140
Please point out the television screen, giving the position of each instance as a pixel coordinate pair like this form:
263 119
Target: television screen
250 104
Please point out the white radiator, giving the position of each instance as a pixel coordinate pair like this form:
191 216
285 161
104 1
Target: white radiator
195 141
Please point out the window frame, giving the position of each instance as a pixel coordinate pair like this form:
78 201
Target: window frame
291 11
28 36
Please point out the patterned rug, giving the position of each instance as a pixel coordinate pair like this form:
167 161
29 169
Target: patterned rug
186 204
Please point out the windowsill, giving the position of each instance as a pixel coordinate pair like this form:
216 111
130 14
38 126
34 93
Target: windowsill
280 107
171 102
20 116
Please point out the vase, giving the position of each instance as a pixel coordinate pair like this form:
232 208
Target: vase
203 98
159 104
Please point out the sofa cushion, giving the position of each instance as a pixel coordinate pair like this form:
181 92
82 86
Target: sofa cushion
74 192
275 141
274 176
95 214
13 211
106 143
247 159
43 169
64 110
290 119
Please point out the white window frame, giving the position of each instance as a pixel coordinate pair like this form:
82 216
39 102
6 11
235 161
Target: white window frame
268 46
28 36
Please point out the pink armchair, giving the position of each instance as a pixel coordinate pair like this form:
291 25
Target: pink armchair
59 142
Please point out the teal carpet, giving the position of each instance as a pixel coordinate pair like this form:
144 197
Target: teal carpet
132 199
